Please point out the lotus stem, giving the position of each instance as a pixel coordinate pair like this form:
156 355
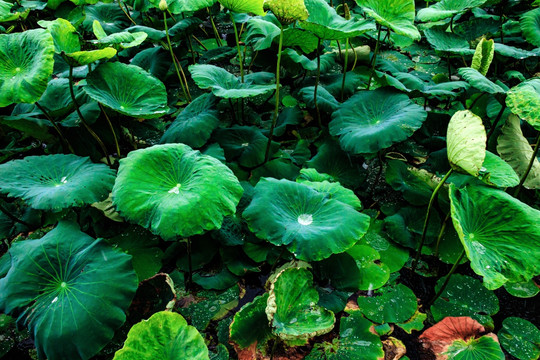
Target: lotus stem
345 65
276 107
199 42
233 111
317 83
441 233
174 60
57 128
240 60
496 122
531 162
112 130
374 60
216 32
126 12
189 281
13 217
448 276
77 108
452 24
428 215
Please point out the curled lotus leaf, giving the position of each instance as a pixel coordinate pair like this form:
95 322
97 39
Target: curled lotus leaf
524 101
287 11
483 56
174 190
447 8
397 15
56 182
64 35
479 81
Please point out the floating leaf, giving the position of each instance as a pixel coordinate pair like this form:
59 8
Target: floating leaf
520 338
390 304
524 101
396 15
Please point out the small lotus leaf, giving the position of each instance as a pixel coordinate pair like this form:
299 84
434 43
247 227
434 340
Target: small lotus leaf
250 324
447 8
530 25
26 64
483 56
55 182
479 81
524 101
495 171
390 304
520 338
485 348
165 335
525 289
174 190
287 11
491 226
396 15
127 89
80 58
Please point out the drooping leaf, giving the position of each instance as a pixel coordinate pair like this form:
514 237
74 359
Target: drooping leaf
260 33
447 8
81 58
520 338
514 52
64 35
447 42
396 15
524 101
483 56
479 81
530 25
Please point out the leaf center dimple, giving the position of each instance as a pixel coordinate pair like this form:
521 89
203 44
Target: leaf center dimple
305 219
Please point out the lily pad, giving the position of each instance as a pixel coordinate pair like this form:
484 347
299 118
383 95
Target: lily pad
373 120
520 338
390 304
175 191
397 15
127 89
56 182
495 244
54 282
524 101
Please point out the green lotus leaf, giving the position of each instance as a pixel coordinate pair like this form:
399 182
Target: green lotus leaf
326 24
175 191
181 6
26 64
483 56
312 226
447 8
325 101
356 342
448 42
514 52
56 99
218 280
495 244
466 142
127 89
396 15
123 40
525 289
416 323
250 324
110 15
530 26
70 290
520 338
334 190
260 33
6 14
80 58
287 11
164 336
485 348
495 171
524 101
515 149
417 185
414 84
391 304
370 121
465 296
64 35
224 84
194 124
56 182
304 61
305 40
244 6
479 81
292 308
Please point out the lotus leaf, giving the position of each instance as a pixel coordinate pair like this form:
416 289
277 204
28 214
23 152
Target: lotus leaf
414 84
484 347
292 309
175 191
182 6
417 185
127 89
334 190
530 25
325 101
391 304
495 171
524 101
466 142
261 32
513 52
224 84
64 34
312 226
491 226
483 56
448 42
374 120
396 15
26 65
80 58
244 6
56 182
110 15
287 11
479 81
249 325
520 338
522 289
164 336
70 290
447 8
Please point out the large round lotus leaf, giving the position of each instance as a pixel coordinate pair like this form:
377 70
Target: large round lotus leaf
326 24
55 182
224 84
397 15
524 101
520 338
391 304
175 191
479 81
312 226
492 226
244 6
373 120
26 64
80 58
287 11
495 171
530 26
447 8
127 89
164 336
466 142
485 348
356 342
334 190
250 324
515 149
292 308
194 124
465 296
70 290
448 42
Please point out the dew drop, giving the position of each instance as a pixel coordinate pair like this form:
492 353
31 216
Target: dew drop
176 189
305 219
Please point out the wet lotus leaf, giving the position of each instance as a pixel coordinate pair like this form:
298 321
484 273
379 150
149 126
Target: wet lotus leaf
465 296
287 11
373 120
165 335
26 65
523 289
332 299
250 324
127 89
495 245
334 190
524 101
56 182
390 304
159 185
483 56
485 348
295 215
495 171
292 309
530 25
415 323
447 8
396 15
479 81
520 338
217 280
53 284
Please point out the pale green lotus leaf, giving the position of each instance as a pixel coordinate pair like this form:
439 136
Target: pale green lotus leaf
447 8
491 226
520 338
287 11
524 101
244 6
495 171
175 191
479 81
484 347
26 65
483 56
530 26
260 33
81 58
5 12
397 15
64 34
121 40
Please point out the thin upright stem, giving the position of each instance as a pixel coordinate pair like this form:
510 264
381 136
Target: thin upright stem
317 83
174 60
531 162
112 130
240 60
276 107
374 60
496 122
65 141
345 65
452 24
441 233
13 217
126 12
189 281
216 32
448 276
